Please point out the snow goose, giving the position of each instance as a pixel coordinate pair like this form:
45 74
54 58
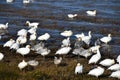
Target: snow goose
66 33
9 43
87 39
107 62
63 50
16 45
96 71
4 26
9 1
114 67
24 50
33 37
22 32
91 13
78 43
71 15
22 39
22 64
45 36
33 24
43 52
1 56
78 68
106 39
115 74
95 58
66 42
94 48
79 35
32 30
118 59
33 63
57 61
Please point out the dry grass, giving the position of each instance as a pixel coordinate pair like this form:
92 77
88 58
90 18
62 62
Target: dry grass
46 70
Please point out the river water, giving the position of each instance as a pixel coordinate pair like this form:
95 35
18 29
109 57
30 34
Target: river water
52 16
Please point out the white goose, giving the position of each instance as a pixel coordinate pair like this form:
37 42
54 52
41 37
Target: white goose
9 43
45 36
4 26
33 24
107 62
66 33
22 65
106 39
87 39
57 60
33 63
71 15
63 50
1 56
115 74
24 50
22 32
91 13
96 71
32 30
95 58
26 1
9 1
33 37
78 68
22 39
118 59
114 67
94 48
79 35
16 45
66 42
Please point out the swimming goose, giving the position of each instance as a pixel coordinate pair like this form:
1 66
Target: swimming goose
79 68
24 50
4 26
96 71
1 56
22 64
9 1
45 36
91 13
106 39
9 43
107 62
71 15
66 33
33 24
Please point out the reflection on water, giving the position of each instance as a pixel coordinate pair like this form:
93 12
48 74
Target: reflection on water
52 16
